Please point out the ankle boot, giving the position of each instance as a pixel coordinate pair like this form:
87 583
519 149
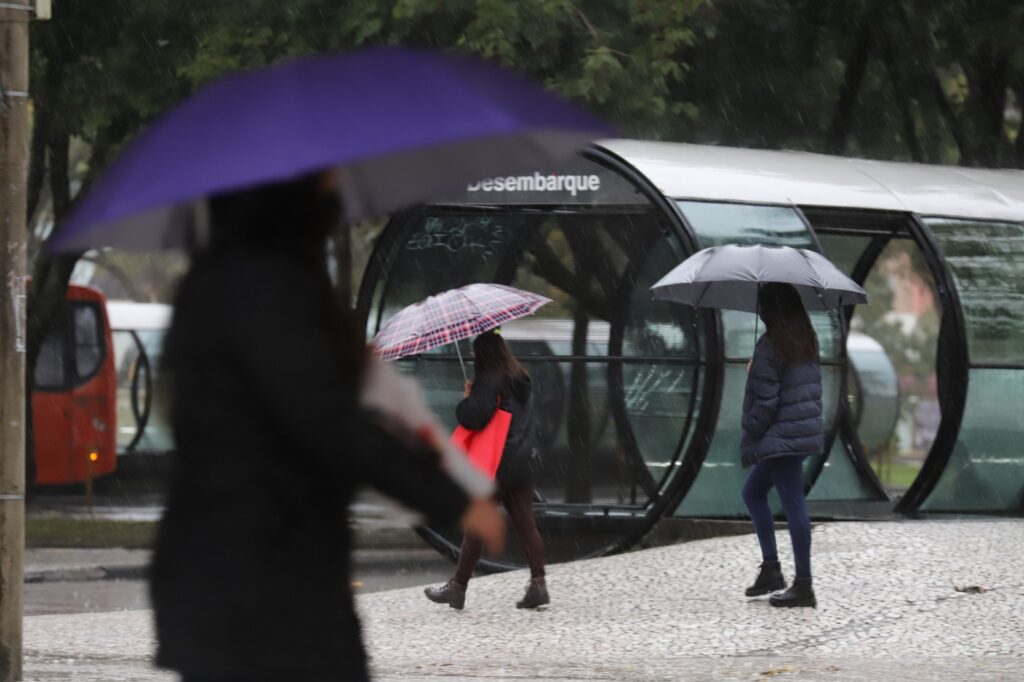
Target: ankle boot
536 595
451 593
800 594
769 580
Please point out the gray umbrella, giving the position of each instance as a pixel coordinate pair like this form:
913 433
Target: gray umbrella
731 276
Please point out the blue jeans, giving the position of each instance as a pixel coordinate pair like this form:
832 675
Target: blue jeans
786 475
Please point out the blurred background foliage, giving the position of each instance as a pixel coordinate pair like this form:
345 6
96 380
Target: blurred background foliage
924 80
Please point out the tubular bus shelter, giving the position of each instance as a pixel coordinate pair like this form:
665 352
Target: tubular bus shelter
641 398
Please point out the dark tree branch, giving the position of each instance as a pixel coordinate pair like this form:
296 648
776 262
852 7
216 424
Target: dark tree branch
550 267
853 76
923 49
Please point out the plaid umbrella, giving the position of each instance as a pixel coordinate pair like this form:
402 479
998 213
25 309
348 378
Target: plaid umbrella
451 316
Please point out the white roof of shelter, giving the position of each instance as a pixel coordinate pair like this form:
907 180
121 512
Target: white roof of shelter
688 171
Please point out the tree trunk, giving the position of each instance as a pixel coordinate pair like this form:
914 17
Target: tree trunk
987 78
856 66
60 181
901 95
50 274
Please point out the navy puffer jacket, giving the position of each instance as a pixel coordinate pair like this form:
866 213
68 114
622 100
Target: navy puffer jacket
781 408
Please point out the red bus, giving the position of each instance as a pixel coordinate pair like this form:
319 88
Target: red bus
74 393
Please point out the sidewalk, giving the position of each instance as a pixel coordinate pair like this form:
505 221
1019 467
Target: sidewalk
43 565
914 601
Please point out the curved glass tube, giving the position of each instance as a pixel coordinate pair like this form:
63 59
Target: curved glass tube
617 375
986 470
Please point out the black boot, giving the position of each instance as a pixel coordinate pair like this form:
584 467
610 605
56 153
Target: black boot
769 580
451 593
536 595
800 594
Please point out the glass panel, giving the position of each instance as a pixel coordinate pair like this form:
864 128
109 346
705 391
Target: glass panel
839 479
88 340
156 436
900 327
986 470
986 261
843 250
443 252
717 224
611 444
716 491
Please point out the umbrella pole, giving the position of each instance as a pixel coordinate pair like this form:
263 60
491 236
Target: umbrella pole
757 313
463 364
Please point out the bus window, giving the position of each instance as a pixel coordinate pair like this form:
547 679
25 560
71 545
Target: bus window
88 341
49 372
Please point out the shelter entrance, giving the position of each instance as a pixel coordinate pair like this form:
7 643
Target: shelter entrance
619 378
903 392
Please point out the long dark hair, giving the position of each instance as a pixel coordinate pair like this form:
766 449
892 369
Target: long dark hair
492 356
789 326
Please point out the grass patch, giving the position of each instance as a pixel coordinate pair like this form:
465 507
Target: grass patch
57 531
898 475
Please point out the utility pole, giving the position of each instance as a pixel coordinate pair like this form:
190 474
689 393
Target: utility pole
14 18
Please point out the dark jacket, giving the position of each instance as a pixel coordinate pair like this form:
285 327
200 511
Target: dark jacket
781 408
250 577
516 396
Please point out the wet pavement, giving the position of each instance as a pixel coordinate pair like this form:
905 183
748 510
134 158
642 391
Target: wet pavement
921 600
68 581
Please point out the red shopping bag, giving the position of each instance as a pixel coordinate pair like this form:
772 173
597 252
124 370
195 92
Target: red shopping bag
485 447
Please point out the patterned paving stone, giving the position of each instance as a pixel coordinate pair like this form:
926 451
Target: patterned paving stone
921 600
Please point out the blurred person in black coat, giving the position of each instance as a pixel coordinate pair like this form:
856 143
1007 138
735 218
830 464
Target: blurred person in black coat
250 577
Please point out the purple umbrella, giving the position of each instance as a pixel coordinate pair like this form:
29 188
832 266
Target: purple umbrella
451 316
403 126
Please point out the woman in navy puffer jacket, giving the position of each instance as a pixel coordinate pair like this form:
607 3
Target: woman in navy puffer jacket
782 424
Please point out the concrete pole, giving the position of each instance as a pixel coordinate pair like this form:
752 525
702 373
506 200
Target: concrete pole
14 18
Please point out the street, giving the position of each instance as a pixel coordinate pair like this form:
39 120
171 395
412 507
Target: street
374 571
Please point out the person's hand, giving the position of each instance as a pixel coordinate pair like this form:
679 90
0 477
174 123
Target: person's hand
749 363
467 389
483 521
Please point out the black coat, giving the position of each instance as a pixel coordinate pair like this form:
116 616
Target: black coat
475 411
782 414
250 576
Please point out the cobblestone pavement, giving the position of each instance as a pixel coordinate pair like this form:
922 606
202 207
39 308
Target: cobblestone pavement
889 608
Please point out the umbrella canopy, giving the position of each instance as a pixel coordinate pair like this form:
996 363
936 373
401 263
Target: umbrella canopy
451 316
731 276
403 126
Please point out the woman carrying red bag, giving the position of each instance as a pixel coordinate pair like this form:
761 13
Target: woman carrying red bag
499 379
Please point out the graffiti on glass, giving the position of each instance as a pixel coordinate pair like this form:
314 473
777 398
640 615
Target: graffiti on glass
480 235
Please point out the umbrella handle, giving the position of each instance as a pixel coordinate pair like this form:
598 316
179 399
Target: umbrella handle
461 363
